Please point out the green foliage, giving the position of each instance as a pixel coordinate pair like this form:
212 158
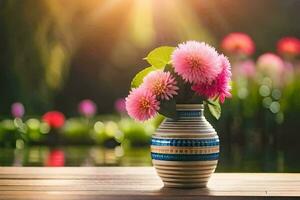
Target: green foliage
36 130
107 133
35 54
214 107
160 56
77 130
136 134
138 79
11 131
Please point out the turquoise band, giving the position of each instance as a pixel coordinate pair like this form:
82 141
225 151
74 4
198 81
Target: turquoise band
185 157
191 114
185 142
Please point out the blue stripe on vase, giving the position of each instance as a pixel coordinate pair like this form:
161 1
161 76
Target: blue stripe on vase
189 114
185 157
185 142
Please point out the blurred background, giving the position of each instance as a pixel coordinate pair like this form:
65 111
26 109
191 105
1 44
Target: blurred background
66 66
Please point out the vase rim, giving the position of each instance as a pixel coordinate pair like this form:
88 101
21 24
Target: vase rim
189 106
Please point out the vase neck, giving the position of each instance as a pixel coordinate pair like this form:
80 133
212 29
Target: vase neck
190 110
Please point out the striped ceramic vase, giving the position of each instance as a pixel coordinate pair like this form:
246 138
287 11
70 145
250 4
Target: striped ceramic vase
185 151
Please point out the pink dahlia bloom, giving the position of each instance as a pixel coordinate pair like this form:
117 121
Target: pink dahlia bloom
289 46
141 104
162 84
196 62
87 108
220 86
238 43
271 65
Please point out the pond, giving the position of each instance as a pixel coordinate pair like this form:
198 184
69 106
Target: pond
239 161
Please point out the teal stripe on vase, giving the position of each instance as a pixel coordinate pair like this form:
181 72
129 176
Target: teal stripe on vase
189 142
184 142
185 157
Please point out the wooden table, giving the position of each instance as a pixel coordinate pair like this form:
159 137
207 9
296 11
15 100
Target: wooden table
136 183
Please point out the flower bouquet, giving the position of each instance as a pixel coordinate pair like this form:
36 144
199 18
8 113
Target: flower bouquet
185 147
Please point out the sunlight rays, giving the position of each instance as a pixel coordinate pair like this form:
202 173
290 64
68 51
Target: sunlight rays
151 22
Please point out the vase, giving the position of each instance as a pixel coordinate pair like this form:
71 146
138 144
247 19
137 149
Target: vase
185 151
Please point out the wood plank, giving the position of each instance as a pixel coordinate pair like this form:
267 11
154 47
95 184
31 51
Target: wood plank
136 183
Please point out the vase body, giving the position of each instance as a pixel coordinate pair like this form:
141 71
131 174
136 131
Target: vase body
185 151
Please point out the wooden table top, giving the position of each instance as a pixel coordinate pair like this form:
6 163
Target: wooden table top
136 183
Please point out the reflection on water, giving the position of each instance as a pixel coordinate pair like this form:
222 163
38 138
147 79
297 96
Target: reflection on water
56 158
238 161
75 156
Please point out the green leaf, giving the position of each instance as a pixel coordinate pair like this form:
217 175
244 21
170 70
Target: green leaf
138 79
168 108
214 108
169 68
160 56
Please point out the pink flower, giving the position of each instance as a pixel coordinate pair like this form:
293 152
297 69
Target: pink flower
244 68
289 46
196 62
238 43
17 110
220 86
120 105
289 71
141 104
87 108
162 84
271 65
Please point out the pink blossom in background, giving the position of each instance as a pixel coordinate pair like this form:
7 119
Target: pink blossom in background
288 67
289 72
220 87
238 43
87 108
162 84
271 65
141 104
196 62
296 66
17 110
288 46
244 68
120 105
